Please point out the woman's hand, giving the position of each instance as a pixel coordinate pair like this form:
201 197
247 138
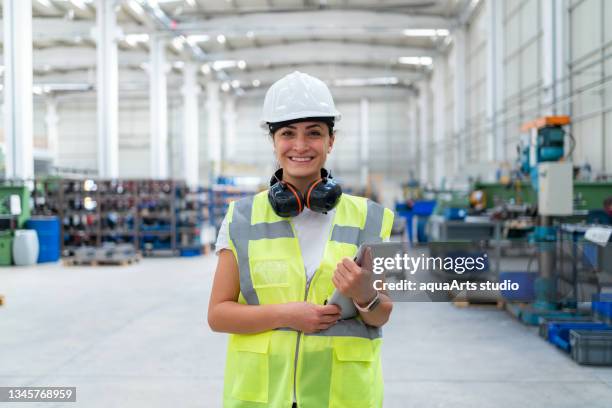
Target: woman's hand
353 281
308 317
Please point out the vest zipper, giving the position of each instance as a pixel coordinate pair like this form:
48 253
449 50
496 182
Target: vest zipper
297 344
308 282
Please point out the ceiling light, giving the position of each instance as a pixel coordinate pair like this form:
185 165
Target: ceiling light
223 64
221 39
250 34
136 7
178 64
242 64
191 3
425 32
415 60
225 87
194 39
206 69
134 39
45 3
235 83
256 83
178 43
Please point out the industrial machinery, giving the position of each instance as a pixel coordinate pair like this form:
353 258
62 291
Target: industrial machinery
542 157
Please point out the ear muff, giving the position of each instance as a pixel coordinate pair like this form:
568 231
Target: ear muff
286 200
322 195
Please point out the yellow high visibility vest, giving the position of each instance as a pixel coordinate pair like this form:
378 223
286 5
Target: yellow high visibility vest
336 368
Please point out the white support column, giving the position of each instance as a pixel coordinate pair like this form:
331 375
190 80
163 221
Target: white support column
459 97
190 147
495 79
553 67
19 150
413 133
107 88
51 121
439 124
229 121
158 100
364 141
425 132
213 107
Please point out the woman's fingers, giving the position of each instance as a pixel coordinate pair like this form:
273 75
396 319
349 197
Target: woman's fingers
330 309
330 318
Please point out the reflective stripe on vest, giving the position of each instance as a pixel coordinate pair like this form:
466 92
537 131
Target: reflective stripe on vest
348 327
370 232
241 232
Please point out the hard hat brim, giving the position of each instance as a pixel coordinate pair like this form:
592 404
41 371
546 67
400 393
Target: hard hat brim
299 115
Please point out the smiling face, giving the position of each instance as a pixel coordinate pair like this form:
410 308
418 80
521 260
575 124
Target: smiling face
301 150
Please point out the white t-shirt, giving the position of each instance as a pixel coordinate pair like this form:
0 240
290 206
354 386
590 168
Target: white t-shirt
312 231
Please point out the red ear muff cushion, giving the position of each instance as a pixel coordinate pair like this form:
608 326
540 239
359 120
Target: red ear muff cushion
297 196
312 186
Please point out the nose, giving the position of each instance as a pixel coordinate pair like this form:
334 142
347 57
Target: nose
301 143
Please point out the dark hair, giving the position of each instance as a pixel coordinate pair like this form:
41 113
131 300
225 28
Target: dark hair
273 127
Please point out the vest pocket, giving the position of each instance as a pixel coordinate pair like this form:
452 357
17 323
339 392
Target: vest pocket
352 377
251 366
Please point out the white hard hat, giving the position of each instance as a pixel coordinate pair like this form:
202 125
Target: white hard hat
297 96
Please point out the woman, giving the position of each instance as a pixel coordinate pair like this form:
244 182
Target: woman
281 255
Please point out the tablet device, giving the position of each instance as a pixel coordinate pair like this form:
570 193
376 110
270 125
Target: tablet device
348 309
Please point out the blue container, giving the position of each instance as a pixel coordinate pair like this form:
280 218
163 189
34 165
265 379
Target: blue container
403 211
48 231
422 229
602 305
558 332
424 207
526 290
189 252
455 214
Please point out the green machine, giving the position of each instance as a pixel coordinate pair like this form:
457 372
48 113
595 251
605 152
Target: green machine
14 212
15 201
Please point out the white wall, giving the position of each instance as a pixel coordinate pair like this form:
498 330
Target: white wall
586 49
253 154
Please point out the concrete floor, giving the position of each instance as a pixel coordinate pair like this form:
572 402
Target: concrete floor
136 336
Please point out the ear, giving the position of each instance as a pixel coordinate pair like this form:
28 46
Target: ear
332 139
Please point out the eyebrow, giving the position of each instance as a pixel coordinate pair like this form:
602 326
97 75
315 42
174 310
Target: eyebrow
307 127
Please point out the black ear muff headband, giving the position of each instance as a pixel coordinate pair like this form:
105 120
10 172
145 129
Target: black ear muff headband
322 195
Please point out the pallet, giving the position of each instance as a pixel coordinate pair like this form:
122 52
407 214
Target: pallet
102 262
499 304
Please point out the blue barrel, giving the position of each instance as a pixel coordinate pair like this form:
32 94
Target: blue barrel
48 231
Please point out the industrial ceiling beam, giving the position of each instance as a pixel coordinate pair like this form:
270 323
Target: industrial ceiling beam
329 72
295 19
320 52
328 51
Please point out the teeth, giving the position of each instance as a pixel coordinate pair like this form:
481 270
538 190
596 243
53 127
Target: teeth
301 159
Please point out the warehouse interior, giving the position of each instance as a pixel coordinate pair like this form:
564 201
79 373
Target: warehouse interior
128 127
